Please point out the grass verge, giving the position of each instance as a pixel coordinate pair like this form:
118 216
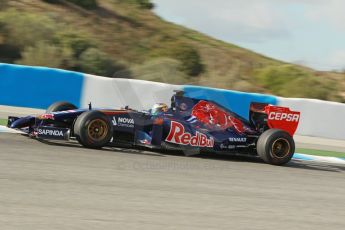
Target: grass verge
3 121
321 153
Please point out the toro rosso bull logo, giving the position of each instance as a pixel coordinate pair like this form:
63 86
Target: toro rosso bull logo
177 135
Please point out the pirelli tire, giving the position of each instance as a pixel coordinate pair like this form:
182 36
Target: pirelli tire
60 106
93 129
275 147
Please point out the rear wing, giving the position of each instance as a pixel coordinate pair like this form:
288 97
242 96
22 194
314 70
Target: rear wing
266 116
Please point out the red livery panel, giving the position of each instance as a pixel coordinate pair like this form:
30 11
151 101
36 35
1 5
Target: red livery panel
282 118
210 114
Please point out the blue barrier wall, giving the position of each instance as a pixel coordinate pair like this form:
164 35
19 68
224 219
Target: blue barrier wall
238 102
38 87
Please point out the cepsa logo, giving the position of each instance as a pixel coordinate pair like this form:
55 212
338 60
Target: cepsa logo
283 117
177 135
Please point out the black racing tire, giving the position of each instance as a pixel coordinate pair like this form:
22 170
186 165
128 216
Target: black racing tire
93 129
275 147
60 106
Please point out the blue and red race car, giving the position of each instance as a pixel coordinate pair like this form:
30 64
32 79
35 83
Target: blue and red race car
190 125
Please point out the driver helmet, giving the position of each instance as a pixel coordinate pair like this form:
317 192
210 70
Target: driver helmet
159 108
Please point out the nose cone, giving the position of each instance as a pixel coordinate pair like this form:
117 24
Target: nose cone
22 122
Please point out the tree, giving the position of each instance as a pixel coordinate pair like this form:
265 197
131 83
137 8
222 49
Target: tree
146 4
43 54
88 4
189 58
76 41
96 62
26 29
165 70
3 4
290 81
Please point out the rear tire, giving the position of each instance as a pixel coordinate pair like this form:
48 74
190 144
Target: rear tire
93 129
276 147
60 106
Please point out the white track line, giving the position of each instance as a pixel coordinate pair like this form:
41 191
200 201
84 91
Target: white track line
322 159
4 129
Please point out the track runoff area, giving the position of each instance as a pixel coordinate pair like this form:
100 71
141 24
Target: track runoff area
59 185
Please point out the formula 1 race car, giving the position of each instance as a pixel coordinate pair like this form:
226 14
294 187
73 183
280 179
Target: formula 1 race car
191 125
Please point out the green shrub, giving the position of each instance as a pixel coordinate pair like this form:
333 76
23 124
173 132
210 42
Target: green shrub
51 1
165 70
96 62
43 54
9 53
290 81
146 4
25 29
3 4
191 63
88 4
190 59
76 41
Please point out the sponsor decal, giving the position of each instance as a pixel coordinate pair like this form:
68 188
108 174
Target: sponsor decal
238 139
50 132
123 122
276 116
222 146
47 116
177 135
282 118
114 121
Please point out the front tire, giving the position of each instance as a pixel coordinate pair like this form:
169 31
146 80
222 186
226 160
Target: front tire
93 129
60 106
276 147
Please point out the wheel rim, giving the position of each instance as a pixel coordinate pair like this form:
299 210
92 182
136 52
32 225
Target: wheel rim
97 130
281 148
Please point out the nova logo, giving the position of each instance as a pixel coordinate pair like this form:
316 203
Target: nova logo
50 132
123 122
126 120
237 139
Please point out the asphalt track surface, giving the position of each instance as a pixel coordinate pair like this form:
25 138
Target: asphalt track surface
64 186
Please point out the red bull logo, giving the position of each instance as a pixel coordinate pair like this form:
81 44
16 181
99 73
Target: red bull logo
177 135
